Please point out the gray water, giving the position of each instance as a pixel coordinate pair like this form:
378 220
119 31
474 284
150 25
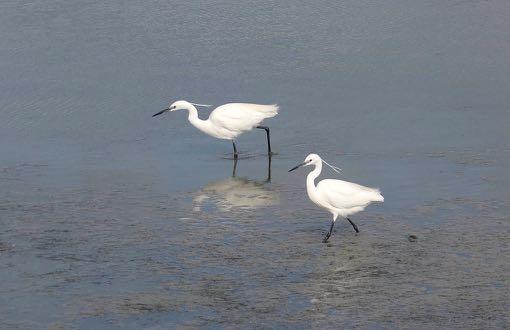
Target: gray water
112 219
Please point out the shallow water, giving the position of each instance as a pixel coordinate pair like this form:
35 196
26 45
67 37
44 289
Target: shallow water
112 219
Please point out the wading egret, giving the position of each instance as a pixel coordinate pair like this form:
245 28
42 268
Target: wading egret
340 198
228 121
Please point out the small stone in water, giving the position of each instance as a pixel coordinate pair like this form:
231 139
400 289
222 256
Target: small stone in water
412 238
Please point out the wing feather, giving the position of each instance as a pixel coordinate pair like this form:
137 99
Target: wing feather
239 117
346 195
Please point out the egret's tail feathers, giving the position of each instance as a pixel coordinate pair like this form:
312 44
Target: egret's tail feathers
269 110
378 196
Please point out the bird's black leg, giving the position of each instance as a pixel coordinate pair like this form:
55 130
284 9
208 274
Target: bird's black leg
353 225
268 138
234 168
235 149
268 169
329 232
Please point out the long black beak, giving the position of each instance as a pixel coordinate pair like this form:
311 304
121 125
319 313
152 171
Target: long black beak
298 166
162 111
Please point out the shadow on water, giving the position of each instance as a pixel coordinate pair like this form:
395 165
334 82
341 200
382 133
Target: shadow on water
236 193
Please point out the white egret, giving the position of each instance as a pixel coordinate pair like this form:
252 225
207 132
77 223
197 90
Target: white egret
228 121
340 198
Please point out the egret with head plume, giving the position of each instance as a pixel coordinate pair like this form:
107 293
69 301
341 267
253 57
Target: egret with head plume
340 198
228 121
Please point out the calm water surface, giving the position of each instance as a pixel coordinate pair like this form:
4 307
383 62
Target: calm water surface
112 219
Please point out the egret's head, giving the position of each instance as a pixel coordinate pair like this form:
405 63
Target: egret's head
177 105
314 159
180 105
311 159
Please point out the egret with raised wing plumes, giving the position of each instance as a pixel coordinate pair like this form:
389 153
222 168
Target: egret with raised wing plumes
228 121
340 198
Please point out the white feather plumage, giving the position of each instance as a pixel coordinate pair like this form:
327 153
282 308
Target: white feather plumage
227 121
340 198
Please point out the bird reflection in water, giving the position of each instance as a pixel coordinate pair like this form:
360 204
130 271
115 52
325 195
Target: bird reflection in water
236 193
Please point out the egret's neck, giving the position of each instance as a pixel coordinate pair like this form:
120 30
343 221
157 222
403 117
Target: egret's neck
310 179
202 125
192 114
